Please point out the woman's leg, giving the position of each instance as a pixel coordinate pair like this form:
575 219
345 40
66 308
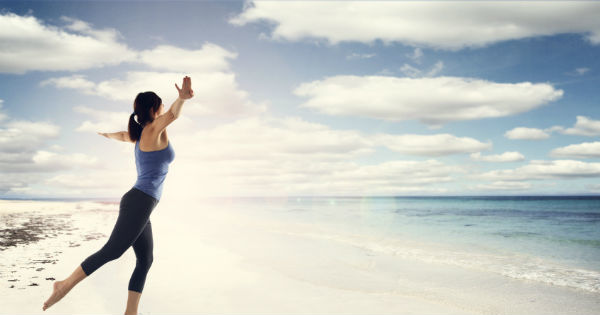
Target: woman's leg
134 212
133 299
143 247
61 288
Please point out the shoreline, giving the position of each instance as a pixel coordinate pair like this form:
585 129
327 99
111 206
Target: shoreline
210 260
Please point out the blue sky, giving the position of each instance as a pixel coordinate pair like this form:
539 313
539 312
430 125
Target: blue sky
311 98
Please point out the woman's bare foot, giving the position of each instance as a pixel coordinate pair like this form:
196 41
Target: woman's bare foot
61 288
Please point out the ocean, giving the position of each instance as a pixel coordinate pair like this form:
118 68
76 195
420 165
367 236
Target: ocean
551 239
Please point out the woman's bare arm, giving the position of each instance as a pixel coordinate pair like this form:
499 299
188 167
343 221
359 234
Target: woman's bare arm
185 93
161 122
119 135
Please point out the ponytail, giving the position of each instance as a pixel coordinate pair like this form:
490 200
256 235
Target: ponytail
134 128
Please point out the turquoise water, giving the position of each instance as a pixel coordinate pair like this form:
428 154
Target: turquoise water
550 239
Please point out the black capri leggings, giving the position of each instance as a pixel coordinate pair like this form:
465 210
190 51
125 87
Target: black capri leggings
133 228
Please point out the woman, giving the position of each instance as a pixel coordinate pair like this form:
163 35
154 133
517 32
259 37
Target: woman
153 154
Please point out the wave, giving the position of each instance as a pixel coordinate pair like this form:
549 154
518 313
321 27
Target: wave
518 266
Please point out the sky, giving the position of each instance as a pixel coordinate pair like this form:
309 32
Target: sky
313 98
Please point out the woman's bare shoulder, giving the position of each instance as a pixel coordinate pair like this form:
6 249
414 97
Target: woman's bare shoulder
155 139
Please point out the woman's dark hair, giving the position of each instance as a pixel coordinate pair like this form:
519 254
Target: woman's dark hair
145 103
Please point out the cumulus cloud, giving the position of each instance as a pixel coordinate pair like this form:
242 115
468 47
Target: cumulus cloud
210 58
541 169
92 180
581 150
215 93
288 155
524 133
21 149
430 145
24 136
76 81
51 161
44 47
433 101
267 155
511 156
78 46
270 137
584 127
26 157
450 26
109 121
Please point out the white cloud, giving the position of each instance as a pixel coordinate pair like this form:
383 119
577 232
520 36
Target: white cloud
433 101
524 133
579 71
581 150
78 46
360 56
430 145
215 93
437 68
449 26
26 156
511 156
51 161
259 138
75 81
540 169
584 127
210 58
109 121
92 180
25 136
413 72
267 155
504 185
27 44
416 55
10 182
410 71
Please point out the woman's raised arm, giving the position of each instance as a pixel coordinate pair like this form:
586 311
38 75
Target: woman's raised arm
185 93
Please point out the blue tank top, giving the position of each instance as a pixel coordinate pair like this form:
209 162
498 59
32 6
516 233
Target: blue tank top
152 168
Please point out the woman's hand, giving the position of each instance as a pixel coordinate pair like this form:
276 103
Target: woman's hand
103 134
186 91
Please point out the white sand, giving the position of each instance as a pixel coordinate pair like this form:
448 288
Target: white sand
209 260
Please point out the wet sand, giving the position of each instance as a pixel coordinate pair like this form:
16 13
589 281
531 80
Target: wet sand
24 231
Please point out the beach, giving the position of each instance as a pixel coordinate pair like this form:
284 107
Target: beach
275 256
